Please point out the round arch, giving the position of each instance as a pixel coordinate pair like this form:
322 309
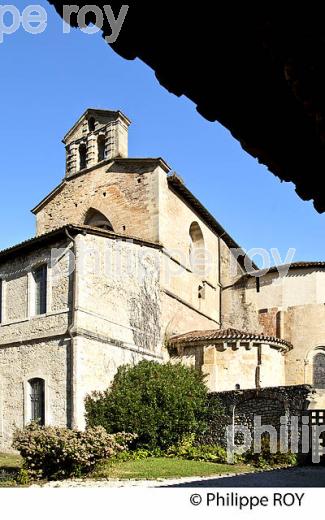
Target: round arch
315 367
319 370
197 249
95 218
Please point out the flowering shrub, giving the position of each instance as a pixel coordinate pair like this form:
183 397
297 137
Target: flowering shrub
58 453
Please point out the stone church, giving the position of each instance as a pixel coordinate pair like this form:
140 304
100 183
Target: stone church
127 264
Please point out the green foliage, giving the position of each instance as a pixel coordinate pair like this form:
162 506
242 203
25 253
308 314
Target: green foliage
139 454
266 459
23 477
187 449
216 421
159 402
58 453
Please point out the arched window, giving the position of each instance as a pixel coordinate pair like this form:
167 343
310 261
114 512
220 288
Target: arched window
40 295
101 148
37 400
91 124
95 218
319 370
197 249
82 156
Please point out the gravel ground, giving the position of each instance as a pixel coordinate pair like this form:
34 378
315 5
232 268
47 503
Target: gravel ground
111 483
311 476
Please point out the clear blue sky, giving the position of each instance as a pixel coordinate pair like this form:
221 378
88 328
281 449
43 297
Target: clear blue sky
48 80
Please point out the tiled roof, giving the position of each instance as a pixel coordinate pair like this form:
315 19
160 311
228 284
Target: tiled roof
60 232
285 268
300 265
224 334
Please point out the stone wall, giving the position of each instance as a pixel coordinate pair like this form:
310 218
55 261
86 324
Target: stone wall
97 361
135 197
237 311
293 308
269 320
305 326
225 368
19 323
121 313
47 360
118 292
110 126
118 316
33 346
137 294
175 219
269 403
178 317
187 289
124 192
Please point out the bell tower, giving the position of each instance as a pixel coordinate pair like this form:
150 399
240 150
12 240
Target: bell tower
99 135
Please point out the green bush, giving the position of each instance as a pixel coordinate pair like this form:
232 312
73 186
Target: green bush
58 453
187 449
159 402
216 422
139 454
23 477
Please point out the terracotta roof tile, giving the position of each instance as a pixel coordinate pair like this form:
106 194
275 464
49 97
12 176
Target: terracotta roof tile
224 334
301 265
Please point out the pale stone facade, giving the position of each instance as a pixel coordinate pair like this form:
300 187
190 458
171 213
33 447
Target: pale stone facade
293 307
130 262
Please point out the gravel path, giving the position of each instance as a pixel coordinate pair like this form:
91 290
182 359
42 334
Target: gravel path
111 483
311 476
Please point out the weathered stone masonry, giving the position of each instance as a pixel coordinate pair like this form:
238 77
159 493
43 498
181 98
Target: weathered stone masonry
270 404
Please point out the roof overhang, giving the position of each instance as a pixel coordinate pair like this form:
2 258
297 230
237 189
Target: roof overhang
258 70
227 339
65 232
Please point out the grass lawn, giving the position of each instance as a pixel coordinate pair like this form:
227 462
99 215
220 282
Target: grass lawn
156 468
10 461
144 469
9 466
